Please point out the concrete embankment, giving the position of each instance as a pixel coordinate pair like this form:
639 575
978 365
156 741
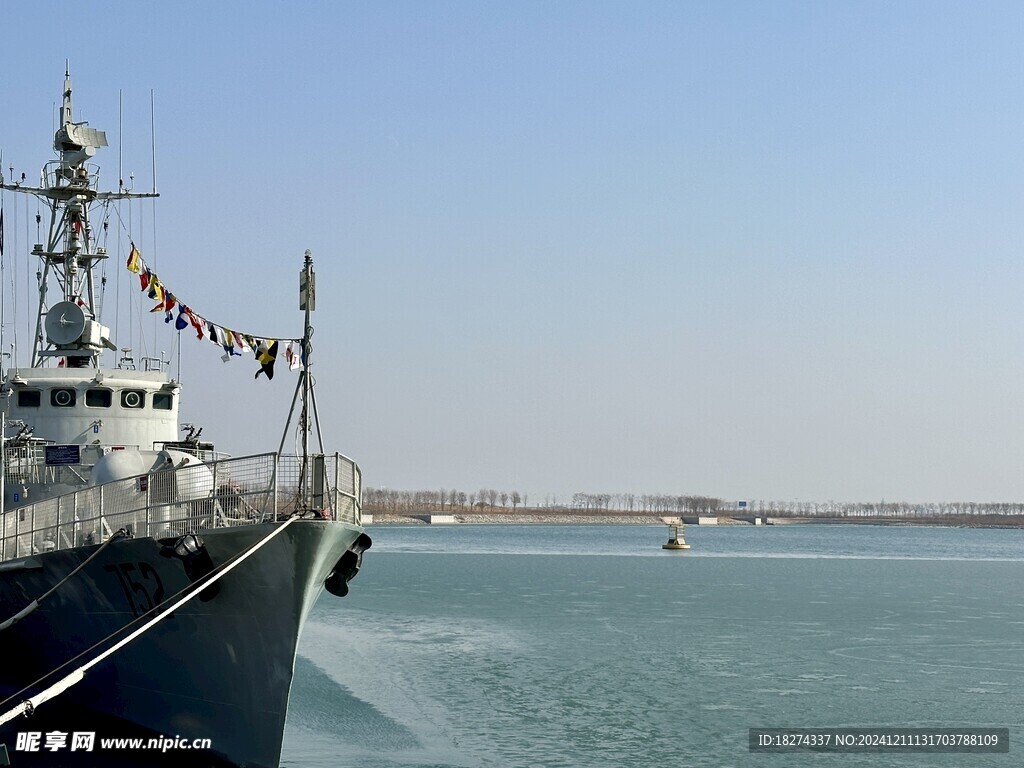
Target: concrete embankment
500 519
530 518
612 518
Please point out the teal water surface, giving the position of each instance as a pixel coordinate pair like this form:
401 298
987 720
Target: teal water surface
470 646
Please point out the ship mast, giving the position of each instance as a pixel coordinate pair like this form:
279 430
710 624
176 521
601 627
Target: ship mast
69 327
304 390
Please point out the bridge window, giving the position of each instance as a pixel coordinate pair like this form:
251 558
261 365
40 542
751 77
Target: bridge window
62 398
133 398
29 398
98 398
162 401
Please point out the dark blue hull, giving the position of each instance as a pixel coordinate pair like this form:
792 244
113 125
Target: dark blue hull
218 669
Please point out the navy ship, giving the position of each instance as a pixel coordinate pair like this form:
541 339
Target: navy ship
152 590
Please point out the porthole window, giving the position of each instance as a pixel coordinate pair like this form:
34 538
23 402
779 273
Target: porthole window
162 401
29 398
62 398
98 398
133 398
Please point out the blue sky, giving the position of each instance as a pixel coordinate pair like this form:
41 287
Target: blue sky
748 249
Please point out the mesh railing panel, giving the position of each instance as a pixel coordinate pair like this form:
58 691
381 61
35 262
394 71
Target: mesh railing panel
174 500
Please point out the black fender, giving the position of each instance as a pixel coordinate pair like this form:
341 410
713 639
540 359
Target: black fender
347 566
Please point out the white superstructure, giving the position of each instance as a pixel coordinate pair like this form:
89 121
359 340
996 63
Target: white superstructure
66 413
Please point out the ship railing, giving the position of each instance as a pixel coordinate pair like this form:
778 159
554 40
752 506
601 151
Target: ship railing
55 175
25 462
203 454
172 501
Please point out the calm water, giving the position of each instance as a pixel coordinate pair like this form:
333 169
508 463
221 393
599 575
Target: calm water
590 646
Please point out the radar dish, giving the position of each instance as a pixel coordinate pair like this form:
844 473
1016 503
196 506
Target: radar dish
85 136
65 323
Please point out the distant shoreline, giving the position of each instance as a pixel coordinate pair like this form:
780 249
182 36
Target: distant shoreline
532 517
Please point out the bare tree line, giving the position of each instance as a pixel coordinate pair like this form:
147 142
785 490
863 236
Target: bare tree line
886 509
647 503
444 499
387 500
488 499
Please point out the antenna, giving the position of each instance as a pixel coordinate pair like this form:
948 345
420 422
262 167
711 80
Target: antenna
3 290
152 132
120 116
65 110
179 355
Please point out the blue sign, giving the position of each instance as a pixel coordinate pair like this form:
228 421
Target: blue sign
63 455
